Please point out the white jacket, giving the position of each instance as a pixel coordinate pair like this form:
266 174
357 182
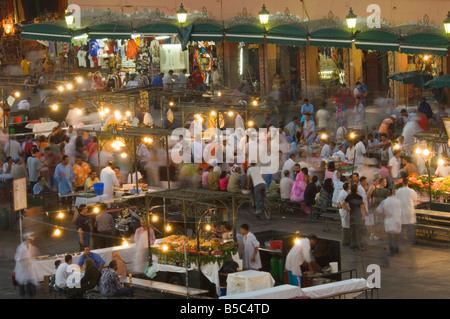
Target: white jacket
391 209
297 256
408 199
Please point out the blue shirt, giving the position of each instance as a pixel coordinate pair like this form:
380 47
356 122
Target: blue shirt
307 108
157 81
64 177
93 47
37 188
98 261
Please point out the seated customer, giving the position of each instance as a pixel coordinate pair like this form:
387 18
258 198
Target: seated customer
110 283
90 181
234 185
98 261
91 276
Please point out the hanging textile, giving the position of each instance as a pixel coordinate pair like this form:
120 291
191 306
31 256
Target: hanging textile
132 49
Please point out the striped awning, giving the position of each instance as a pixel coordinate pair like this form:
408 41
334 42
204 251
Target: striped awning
331 38
52 31
287 35
377 40
425 43
245 33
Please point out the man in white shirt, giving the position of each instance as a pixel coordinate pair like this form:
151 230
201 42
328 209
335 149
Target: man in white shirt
341 133
326 150
350 154
360 150
168 80
394 166
24 105
442 170
323 117
408 199
254 175
109 179
289 165
297 256
62 274
183 80
340 153
12 148
286 184
132 178
251 258
391 210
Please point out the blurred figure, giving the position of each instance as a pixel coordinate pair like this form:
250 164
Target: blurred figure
121 264
141 240
25 272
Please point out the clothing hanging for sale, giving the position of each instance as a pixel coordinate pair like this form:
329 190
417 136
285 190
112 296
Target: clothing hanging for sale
132 49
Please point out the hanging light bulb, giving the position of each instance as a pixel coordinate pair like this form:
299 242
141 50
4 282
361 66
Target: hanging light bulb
117 115
17 94
441 162
69 86
230 113
79 111
106 110
57 232
123 155
426 152
60 215
154 218
96 210
54 107
124 243
165 248
79 79
255 103
418 150
102 113
213 113
128 114
208 227
168 228
60 88
219 94
324 136
251 123
171 103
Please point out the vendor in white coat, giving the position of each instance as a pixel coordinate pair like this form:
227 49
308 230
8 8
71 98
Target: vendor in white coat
297 256
408 199
345 215
25 271
391 209
109 179
251 245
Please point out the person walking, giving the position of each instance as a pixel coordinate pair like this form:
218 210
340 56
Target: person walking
24 270
357 213
408 199
391 209
34 167
259 185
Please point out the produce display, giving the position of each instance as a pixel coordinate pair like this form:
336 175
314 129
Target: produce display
172 248
439 185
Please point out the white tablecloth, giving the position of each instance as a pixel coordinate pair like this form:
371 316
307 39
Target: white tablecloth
90 200
279 292
249 280
335 288
42 127
46 267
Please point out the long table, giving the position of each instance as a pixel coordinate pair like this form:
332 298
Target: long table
46 267
163 287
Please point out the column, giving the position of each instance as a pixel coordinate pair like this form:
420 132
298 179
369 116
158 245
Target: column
302 72
357 64
312 70
401 90
230 64
346 62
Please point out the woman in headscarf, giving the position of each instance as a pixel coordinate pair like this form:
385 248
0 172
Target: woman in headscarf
121 265
326 194
272 191
298 190
91 276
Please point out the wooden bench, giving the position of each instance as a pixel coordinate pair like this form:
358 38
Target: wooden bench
424 231
328 214
282 205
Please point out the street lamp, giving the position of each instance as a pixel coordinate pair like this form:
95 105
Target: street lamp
70 19
182 14
264 15
447 24
351 19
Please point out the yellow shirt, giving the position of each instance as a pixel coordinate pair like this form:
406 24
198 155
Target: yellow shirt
25 67
81 173
90 183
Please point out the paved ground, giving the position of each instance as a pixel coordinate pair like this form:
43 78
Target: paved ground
417 272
